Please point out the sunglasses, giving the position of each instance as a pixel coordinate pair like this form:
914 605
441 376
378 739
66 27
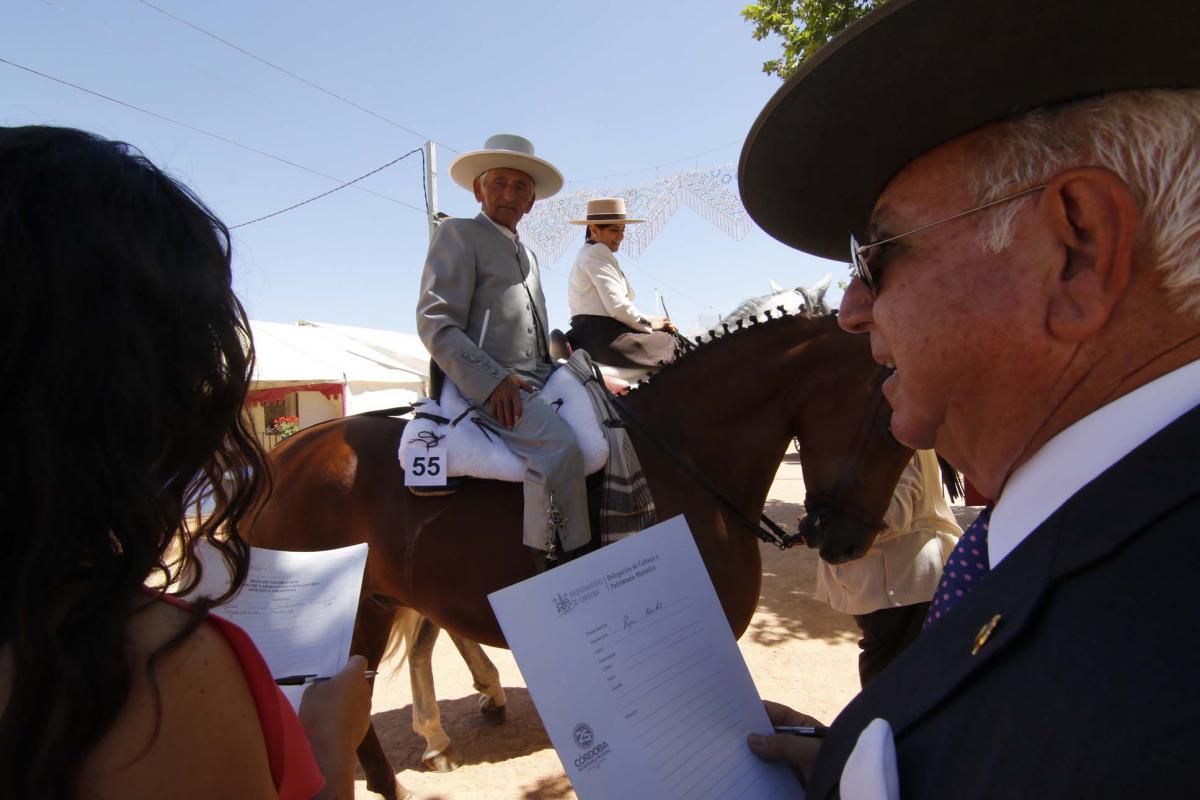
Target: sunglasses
860 265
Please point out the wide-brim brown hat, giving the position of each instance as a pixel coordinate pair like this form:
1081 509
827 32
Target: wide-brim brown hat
916 73
606 211
512 152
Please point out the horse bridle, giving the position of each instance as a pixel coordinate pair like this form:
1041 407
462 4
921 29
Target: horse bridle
849 473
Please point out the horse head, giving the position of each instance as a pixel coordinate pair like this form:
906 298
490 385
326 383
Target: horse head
849 483
850 460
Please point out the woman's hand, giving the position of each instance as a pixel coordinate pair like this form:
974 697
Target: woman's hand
336 714
798 751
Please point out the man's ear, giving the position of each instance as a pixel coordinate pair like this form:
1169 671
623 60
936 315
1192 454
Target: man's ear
478 193
1094 216
529 207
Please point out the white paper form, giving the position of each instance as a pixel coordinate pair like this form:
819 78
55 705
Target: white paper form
636 674
299 608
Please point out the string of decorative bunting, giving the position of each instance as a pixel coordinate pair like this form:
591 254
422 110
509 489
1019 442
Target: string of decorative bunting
710 192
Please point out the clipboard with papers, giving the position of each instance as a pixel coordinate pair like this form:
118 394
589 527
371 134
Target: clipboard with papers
634 670
297 607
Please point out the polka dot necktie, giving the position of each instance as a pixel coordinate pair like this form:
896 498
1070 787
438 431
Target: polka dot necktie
968 565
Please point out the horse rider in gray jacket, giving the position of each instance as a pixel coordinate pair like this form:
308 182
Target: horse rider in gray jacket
482 316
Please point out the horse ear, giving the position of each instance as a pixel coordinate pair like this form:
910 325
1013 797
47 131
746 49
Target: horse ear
820 288
775 287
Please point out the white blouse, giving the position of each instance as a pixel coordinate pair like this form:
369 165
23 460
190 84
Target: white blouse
598 287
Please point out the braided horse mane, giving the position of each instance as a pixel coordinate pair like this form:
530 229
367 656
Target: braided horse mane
773 308
751 314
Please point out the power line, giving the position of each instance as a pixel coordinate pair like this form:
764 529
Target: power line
216 136
335 189
290 74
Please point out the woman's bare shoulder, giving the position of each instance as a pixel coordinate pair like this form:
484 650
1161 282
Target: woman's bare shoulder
209 741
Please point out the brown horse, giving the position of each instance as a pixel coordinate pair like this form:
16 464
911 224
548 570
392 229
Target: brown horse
710 430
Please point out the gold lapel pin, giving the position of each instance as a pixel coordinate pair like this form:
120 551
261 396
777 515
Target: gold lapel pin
985 632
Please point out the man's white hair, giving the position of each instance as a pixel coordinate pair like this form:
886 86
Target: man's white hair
1149 138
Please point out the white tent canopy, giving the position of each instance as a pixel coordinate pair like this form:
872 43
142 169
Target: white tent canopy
375 368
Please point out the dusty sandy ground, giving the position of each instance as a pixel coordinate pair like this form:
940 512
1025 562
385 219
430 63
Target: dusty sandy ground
799 652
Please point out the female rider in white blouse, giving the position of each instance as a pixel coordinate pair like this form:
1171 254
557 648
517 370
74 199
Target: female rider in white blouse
604 320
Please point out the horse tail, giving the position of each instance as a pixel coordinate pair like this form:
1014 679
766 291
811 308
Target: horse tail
404 631
951 479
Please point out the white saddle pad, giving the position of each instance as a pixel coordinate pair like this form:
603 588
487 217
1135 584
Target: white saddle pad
471 452
627 374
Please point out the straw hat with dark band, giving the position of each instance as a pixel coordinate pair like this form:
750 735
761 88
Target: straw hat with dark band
916 73
606 211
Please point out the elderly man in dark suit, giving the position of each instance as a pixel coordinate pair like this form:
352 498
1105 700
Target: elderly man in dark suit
482 316
1022 180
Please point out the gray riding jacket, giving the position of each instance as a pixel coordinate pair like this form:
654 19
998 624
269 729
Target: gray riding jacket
473 271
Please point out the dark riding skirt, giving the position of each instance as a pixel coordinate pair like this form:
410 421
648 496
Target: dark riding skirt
609 341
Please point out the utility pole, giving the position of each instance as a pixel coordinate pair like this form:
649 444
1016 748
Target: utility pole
431 184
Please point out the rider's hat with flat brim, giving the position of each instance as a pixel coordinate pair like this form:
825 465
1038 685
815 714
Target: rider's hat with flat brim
914 74
606 211
512 152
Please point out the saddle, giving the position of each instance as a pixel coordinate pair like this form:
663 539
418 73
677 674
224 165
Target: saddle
471 448
617 379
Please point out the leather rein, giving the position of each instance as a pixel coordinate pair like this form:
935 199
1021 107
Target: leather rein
766 530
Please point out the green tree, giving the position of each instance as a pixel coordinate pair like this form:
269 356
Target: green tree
804 25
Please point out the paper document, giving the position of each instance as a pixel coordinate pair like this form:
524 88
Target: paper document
299 608
636 674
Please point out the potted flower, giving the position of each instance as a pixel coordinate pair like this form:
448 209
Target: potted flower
284 426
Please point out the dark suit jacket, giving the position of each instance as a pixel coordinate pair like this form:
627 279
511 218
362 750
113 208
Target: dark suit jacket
1090 685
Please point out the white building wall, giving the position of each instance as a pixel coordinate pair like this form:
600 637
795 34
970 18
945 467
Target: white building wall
314 407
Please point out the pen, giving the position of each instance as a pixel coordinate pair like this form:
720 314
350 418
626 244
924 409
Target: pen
304 680
816 731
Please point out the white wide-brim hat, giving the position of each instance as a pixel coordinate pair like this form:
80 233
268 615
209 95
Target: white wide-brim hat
606 211
506 150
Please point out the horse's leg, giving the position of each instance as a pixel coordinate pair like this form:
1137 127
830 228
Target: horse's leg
440 753
372 629
487 678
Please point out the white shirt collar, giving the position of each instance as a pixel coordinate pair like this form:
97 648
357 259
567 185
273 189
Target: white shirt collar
1078 454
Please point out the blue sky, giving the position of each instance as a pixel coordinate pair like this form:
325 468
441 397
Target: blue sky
636 91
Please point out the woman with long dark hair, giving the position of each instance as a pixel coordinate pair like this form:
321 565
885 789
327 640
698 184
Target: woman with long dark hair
124 360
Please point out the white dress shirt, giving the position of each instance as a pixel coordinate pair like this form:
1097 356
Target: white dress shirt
904 563
1078 454
597 287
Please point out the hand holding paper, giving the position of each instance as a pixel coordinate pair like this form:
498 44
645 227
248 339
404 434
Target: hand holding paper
298 608
631 663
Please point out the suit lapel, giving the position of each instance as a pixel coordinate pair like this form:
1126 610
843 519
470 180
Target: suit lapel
1088 528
